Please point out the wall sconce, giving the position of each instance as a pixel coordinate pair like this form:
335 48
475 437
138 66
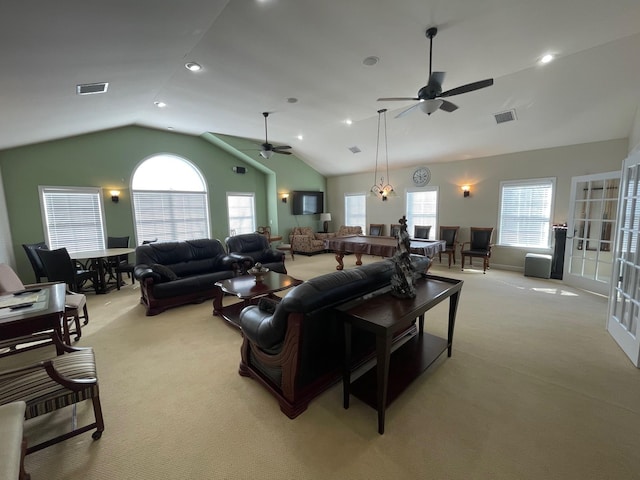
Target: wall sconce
115 196
285 197
465 190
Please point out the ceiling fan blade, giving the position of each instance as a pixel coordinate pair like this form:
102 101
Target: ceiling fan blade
282 147
393 99
448 106
407 110
469 87
436 79
281 152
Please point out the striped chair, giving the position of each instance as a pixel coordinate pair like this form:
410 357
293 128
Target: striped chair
53 384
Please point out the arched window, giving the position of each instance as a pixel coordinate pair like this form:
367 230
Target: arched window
169 200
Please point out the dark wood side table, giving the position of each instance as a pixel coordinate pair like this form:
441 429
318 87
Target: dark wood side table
384 315
246 288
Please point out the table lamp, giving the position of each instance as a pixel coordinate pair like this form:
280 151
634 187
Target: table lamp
326 218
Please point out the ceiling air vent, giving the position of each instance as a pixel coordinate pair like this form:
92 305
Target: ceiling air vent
91 88
355 149
508 116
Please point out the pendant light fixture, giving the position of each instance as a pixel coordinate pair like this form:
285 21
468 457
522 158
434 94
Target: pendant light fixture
382 190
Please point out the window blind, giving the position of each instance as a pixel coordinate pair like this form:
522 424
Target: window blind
170 216
525 213
355 210
242 214
422 209
73 218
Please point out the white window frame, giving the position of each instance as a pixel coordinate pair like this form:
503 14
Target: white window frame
168 214
422 218
355 219
245 222
508 221
73 217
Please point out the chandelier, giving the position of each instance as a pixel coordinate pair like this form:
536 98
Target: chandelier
382 190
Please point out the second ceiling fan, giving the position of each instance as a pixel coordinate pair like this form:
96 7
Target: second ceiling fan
430 97
267 148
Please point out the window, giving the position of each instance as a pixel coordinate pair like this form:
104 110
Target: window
355 210
169 200
525 213
73 218
242 213
422 209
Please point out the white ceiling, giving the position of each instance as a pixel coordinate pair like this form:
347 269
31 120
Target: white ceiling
257 54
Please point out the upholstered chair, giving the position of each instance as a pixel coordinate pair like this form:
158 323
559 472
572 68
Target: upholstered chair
450 235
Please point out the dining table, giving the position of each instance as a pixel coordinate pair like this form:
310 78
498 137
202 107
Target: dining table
98 260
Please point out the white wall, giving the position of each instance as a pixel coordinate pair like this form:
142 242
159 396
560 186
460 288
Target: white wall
634 136
484 175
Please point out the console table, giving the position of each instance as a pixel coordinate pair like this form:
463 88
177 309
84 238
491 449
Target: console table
383 314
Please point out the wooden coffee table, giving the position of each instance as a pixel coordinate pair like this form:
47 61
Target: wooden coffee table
249 291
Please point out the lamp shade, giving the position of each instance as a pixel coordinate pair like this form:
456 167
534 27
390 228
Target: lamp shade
325 217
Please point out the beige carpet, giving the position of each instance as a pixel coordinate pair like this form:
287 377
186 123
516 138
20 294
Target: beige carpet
535 389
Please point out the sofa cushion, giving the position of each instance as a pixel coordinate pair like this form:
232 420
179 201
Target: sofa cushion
166 274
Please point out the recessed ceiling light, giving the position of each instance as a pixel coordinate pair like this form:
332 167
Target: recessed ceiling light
546 58
292 100
300 137
348 121
193 66
370 61
160 104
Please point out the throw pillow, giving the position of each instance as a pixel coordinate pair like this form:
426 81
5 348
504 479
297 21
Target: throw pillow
165 272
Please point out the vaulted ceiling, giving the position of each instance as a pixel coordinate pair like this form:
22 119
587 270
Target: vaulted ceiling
259 56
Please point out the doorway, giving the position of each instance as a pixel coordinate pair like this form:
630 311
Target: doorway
590 232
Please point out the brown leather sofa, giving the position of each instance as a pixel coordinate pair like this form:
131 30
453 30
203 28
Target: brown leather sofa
295 347
177 273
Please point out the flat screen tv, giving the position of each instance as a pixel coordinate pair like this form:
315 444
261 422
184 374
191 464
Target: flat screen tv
307 203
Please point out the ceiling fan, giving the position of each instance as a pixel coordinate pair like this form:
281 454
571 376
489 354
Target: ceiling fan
269 149
430 97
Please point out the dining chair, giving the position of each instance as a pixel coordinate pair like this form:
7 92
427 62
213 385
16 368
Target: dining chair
376 229
34 259
479 246
421 231
120 264
450 235
394 229
61 268
75 304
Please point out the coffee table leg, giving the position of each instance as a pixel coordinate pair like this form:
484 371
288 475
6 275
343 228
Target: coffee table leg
217 301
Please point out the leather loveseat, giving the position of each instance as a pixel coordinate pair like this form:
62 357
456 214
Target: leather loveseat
177 273
295 347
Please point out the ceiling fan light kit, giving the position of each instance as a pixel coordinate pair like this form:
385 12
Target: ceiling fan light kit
430 96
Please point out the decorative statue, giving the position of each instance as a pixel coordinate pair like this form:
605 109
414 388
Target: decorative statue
403 280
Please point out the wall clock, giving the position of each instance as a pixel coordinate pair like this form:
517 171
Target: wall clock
421 176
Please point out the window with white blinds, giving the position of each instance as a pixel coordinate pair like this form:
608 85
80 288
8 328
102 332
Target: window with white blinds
422 209
355 210
525 213
170 216
73 218
170 201
242 213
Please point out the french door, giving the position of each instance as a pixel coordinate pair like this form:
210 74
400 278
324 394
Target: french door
624 298
590 232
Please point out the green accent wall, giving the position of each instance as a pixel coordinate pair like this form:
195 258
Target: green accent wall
108 159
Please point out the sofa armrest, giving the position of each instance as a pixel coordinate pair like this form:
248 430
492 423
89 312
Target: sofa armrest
143 271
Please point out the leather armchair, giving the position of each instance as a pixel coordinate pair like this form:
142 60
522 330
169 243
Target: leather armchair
251 248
